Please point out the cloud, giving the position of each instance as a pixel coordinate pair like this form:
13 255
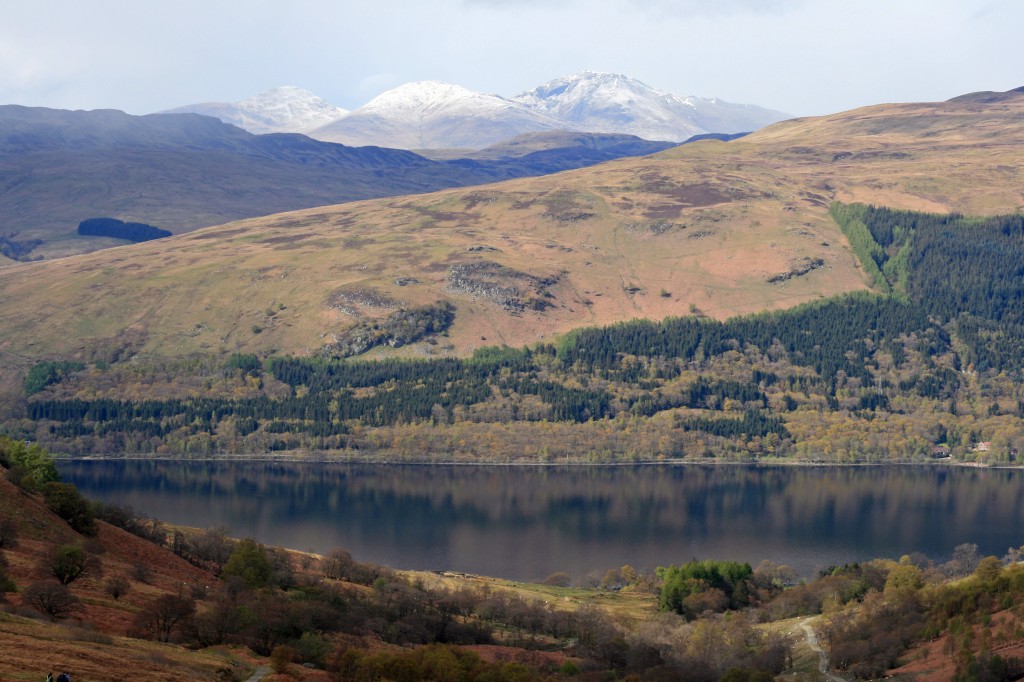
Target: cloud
685 8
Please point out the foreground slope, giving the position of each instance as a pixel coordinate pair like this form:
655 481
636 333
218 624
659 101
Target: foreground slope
713 228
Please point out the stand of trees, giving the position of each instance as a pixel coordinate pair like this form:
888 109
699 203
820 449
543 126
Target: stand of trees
932 367
112 227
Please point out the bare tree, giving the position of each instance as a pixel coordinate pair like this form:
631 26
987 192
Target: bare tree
117 586
52 598
164 616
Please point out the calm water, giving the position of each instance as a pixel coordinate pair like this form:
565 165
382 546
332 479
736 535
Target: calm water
525 523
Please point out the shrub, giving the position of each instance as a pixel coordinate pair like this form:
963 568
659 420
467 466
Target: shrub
559 579
67 503
51 598
69 563
280 658
165 616
249 562
30 466
117 586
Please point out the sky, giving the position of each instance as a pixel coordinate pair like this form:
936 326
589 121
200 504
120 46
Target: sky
803 57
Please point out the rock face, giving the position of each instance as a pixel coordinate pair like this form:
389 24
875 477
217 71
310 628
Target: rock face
513 290
798 268
404 326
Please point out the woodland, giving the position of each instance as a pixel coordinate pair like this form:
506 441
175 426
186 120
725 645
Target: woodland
925 368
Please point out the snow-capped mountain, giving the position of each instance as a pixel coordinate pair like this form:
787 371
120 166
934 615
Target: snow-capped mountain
613 103
435 115
431 115
286 109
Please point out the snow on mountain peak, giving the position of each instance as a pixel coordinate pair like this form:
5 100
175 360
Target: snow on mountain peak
610 102
287 108
431 115
429 97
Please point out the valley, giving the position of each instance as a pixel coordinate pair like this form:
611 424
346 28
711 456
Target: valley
468 357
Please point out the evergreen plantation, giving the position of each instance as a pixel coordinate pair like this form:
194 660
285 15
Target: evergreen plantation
929 367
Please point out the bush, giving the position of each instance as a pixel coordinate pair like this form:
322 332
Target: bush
559 579
164 617
51 598
280 658
30 466
67 503
117 586
69 563
249 562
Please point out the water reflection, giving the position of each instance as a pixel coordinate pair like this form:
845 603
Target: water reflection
527 522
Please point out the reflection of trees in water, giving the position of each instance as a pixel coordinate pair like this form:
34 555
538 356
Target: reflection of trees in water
903 504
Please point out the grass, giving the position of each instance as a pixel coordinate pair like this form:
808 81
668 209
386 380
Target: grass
623 605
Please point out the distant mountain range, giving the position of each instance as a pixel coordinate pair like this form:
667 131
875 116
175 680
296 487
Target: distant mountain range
281 110
435 115
184 171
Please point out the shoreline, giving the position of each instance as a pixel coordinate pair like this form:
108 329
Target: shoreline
299 459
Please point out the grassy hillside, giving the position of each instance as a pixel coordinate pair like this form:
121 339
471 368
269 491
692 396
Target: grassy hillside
712 228
331 617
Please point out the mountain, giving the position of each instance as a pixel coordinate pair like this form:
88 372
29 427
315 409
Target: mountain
613 103
184 171
719 228
286 109
431 114
435 115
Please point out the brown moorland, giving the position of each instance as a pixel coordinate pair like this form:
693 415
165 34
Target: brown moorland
709 228
91 644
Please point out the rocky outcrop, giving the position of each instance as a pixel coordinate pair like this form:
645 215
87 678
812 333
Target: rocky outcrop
513 290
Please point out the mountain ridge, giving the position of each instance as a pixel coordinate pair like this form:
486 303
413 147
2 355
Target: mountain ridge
284 109
436 115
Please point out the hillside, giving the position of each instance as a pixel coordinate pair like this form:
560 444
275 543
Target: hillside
597 147
91 645
184 171
715 228
315 617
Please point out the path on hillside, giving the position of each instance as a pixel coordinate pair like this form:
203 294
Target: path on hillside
812 641
259 673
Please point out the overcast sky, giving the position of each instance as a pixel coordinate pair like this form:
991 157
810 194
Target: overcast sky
800 56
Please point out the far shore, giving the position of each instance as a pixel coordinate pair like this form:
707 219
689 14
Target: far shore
308 458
